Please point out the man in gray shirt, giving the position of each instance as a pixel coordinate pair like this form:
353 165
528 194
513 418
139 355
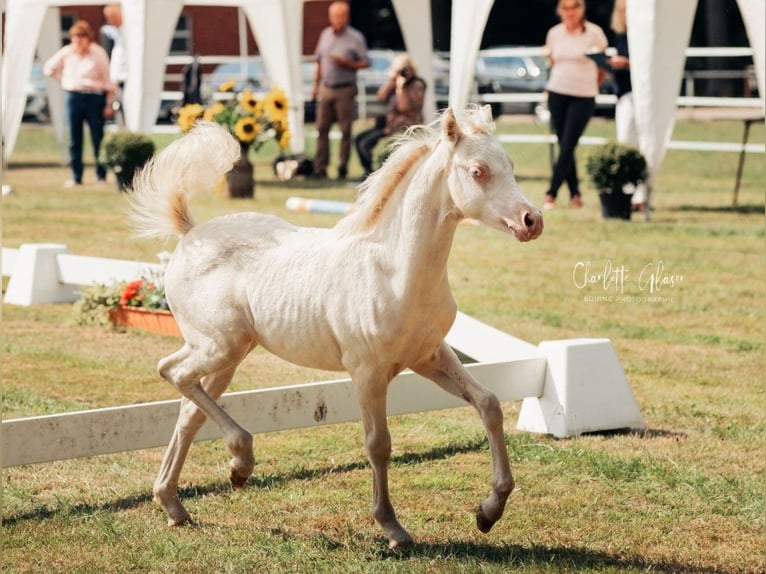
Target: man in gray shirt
340 52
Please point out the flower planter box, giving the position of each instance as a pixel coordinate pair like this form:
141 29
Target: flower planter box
152 321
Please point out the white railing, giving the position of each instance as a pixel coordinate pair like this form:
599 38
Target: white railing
688 99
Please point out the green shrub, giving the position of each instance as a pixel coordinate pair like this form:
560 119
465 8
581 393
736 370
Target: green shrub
612 166
125 153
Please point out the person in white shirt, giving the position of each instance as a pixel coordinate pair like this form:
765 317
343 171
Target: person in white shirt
572 90
82 67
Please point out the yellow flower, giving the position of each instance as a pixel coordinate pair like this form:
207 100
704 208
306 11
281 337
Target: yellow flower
246 129
284 139
275 106
226 86
189 114
213 111
248 102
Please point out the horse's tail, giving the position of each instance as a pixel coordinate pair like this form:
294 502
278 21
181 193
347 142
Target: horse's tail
193 163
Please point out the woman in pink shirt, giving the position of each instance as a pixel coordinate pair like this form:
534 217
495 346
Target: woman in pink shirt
82 67
572 90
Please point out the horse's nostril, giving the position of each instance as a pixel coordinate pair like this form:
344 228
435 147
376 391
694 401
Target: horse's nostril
529 221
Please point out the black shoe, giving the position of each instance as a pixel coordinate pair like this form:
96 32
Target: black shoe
342 173
318 175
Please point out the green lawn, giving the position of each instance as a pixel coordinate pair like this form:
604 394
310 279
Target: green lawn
685 496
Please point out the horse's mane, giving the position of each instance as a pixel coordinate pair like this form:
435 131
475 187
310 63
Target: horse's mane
408 150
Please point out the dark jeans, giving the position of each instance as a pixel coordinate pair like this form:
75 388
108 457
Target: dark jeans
84 107
365 143
569 117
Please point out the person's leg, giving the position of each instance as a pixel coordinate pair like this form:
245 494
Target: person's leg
94 115
558 108
365 144
75 118
325 119
578 115
346 110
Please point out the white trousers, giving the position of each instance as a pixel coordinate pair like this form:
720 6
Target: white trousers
625 124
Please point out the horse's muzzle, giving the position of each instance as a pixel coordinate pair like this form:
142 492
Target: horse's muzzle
531 225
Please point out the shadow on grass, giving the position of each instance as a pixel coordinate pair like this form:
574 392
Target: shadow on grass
262 481
743 209
563 558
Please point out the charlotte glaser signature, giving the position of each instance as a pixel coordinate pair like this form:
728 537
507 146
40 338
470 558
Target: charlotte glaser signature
613 279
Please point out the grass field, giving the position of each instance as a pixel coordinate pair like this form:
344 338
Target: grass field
687 495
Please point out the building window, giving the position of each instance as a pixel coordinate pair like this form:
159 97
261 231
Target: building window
67 21
182 40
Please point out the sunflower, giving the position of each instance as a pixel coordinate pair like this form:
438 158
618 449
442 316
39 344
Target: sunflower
226 86
246 129
214 110
189 114
248 102
275 106
284 139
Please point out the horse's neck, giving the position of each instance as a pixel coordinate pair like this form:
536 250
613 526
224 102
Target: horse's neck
422 229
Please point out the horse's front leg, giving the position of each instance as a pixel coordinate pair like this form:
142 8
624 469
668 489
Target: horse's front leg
445 369
190 419
371 394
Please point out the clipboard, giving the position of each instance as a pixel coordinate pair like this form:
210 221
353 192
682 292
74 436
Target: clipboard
602 60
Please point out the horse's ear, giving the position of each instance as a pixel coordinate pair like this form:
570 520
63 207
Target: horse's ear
452 131
486 114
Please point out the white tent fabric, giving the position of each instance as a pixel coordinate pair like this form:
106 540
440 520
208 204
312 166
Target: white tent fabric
469 18
147 36
754 14
658 33
280 41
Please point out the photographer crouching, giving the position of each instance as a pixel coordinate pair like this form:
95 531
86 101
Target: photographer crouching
403 94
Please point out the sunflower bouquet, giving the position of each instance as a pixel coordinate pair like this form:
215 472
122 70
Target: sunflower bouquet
252 121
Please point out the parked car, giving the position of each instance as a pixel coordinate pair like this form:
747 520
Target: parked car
506 71
36 107
251 75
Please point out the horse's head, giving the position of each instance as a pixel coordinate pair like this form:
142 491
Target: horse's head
481 180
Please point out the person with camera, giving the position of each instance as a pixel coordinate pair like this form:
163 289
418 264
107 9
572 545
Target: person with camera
403 94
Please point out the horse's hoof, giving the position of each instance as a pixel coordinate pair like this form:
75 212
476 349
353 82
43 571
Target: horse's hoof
399 544
237 480
482 522
180 521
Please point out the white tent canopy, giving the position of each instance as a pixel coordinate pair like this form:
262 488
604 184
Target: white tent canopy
659 32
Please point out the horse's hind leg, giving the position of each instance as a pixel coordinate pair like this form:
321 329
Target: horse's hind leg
445 369
190 419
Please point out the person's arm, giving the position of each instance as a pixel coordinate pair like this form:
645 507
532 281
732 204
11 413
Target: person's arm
54 65
410 96
385 90
317 79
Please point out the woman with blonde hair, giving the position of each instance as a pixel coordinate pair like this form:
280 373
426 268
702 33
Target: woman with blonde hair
572 90
82 67
403 94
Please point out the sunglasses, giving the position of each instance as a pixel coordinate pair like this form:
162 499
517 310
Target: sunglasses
572 7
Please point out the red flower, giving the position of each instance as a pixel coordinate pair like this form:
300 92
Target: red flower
131 294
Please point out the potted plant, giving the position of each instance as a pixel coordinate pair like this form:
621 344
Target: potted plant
615 169
125 153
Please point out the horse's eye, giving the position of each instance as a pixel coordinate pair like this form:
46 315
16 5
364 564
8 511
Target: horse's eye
476 171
